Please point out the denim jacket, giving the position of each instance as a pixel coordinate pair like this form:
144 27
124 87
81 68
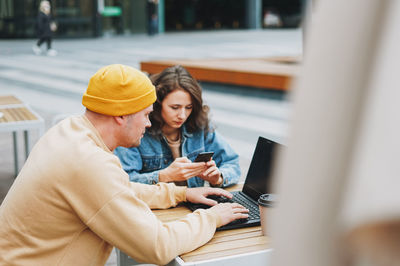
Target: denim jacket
143 163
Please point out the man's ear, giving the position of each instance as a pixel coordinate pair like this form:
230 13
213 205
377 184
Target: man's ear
120 120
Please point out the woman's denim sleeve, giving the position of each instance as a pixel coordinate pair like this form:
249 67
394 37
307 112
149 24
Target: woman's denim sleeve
131 162
225 157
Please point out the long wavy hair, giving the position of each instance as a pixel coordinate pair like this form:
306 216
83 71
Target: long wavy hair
178 78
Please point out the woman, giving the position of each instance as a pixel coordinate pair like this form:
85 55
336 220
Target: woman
180 131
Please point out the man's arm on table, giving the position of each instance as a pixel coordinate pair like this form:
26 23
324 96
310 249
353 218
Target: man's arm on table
118 211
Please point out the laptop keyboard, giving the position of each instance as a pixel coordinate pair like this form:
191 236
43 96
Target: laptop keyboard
254 212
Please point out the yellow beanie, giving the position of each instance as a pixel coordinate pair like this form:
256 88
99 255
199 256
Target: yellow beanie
117 90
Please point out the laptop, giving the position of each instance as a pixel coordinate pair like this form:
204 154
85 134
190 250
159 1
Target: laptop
257 182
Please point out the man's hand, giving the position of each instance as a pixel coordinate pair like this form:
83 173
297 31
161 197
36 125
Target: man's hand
229 212
199 194
212 174
181 169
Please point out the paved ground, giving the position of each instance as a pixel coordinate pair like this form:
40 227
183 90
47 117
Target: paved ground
53 85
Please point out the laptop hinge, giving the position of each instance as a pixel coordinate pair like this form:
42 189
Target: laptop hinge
248 197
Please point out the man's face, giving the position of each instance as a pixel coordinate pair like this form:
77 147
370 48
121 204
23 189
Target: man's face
135 127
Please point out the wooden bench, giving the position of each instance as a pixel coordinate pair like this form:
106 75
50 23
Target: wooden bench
266 73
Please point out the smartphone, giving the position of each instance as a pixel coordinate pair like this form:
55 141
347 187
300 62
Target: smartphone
204 156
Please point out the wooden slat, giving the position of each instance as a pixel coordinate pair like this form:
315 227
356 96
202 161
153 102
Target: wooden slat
285 59
12 115
236 231
16 114
6 116
239 243
9 99
232 237
190 257
28 114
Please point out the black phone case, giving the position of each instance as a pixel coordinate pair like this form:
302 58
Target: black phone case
204 157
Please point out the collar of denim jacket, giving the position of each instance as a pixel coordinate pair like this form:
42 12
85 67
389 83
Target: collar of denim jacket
185 133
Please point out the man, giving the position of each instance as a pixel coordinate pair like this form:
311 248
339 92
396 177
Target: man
45 28
72 201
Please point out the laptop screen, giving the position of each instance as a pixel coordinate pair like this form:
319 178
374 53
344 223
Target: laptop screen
258 177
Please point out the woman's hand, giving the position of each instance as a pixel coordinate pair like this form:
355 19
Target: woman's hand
181 169
212 174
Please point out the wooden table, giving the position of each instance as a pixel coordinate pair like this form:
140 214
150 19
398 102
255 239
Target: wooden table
17 116
230 247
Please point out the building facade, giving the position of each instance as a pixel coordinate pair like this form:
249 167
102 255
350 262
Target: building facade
92 18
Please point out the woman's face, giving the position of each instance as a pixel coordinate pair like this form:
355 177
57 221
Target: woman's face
176 108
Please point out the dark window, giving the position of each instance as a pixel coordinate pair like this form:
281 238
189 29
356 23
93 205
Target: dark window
204 14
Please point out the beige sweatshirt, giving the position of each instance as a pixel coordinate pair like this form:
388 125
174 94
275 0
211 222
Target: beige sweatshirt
72 202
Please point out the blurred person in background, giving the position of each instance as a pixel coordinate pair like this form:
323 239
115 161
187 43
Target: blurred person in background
152 17
180 131
45 28
72 201
272 18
